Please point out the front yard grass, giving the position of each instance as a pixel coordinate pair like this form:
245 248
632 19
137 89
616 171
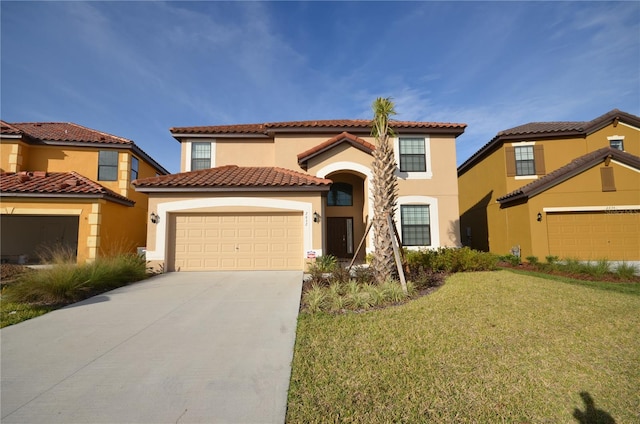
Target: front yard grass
485 347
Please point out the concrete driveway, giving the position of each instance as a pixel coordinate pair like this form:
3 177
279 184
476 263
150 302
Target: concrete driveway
205 347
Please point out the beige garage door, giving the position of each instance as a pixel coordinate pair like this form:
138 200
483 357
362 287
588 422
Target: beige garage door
594 235
205 242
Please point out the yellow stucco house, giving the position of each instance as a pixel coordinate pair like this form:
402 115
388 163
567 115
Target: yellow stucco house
566 189
65 184
271 196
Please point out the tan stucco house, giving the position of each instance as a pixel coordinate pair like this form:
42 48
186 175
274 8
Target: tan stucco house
566 189
273 195
65 184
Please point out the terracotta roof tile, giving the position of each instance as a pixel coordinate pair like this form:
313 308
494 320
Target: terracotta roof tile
540 130
67 131
40 183
8 129
569 170
344 137
329 125
235 177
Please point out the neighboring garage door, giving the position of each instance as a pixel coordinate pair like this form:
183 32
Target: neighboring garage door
594 235
238 241
31 238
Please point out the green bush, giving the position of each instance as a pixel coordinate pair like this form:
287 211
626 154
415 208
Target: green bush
511 259
533 260
551 260
447 259
326 263
626 271
65 283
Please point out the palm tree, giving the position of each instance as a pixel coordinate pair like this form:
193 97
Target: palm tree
385 189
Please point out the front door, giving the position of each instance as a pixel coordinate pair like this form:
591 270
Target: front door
340 237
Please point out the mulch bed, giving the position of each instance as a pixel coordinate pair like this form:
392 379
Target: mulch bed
9 273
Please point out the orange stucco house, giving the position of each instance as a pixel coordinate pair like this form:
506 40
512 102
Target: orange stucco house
271 196
65 184
565 189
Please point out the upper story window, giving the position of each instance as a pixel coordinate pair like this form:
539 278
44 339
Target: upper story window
525 160
415 224
108 165
340 194
616 143
525 163
412 154
200 156
134 168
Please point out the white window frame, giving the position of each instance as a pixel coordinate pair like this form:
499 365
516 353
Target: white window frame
525 144
428 174
616 138
434 218
187 165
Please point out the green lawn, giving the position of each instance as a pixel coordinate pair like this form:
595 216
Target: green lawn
486 347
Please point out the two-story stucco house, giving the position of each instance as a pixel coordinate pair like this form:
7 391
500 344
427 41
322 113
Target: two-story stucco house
270 196
566 189
65 184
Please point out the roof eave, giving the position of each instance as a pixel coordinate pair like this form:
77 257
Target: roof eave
307 188
69 196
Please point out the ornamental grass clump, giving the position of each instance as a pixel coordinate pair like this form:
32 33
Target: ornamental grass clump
64 283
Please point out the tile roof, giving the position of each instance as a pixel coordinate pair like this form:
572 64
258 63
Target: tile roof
344 137
326 125
8 129
571 169
67 131
70 133
234 177
538 130
55 184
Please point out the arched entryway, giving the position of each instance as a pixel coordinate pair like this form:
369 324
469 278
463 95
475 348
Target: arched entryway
345 216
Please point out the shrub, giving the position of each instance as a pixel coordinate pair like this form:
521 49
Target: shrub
626 271
363 274
447 259
325 263
511 259
533 260
315 299
551 260
65 283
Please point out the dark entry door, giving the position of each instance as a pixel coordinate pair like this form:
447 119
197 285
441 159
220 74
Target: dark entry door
340 237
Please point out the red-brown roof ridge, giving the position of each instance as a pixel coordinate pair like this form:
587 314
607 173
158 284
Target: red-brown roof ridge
67 131
329 124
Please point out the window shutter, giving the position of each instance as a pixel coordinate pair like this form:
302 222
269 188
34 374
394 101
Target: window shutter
538 157
608 183
511 160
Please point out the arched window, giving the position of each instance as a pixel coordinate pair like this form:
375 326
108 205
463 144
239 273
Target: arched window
340 194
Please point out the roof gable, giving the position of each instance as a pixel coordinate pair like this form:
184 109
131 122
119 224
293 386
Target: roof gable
234 178
568 171
339 139
541 130
56 184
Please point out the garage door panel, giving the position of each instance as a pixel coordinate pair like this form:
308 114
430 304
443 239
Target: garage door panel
594 235
241 241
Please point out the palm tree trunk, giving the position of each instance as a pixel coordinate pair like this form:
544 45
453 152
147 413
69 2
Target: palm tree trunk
385 188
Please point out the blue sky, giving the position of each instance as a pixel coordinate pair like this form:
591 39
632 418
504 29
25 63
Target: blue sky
135 69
